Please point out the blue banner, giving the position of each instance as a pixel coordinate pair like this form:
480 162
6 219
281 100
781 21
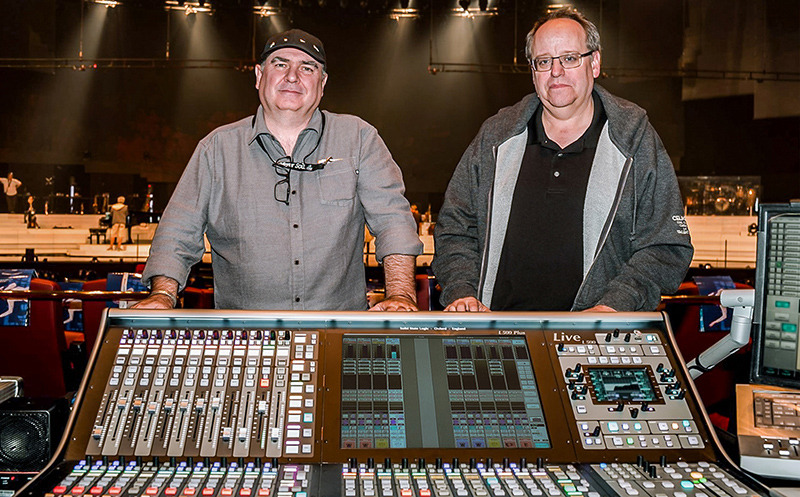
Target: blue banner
14 312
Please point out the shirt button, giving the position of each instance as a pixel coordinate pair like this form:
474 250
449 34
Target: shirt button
294 192
560 155
297 299
296 263
556 174
295 226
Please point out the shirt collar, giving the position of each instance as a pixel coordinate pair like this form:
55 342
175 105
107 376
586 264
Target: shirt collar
537 136
305 142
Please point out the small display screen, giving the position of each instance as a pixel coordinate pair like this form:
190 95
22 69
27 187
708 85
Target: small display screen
622 385
418 391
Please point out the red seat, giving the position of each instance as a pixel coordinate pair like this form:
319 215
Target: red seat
423 292
35 352
92 312
198 298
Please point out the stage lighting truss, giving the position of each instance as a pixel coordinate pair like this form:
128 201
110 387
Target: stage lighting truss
397 14
189 8
473 12
109 4
267 11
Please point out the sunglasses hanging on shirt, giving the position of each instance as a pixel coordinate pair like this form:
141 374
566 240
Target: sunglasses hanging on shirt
285 164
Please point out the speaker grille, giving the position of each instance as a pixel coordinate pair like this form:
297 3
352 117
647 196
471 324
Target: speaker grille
24 441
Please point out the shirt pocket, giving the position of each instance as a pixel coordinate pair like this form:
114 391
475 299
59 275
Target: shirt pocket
337 186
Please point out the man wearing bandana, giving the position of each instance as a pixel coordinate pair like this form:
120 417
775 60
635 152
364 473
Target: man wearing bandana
283 197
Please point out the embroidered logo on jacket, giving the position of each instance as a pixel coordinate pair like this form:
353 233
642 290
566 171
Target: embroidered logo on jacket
683 228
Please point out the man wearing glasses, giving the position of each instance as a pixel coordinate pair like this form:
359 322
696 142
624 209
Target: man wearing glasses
283 197
566 200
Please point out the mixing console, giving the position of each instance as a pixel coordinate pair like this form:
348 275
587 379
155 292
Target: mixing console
243 403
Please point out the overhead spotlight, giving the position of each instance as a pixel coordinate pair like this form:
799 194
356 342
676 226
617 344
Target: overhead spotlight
483 5
189 10
464 4
403 4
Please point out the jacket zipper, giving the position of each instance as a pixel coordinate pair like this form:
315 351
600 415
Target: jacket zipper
607 228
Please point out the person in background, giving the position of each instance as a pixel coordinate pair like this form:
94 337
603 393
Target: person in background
566 200
30 215
10 188
416 214
119 223
283 197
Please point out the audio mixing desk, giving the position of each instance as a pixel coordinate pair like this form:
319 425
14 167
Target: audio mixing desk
305 404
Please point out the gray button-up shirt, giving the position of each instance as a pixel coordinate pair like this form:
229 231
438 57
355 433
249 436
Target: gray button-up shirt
269 255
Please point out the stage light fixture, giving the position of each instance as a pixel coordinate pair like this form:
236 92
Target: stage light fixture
464 4
483 5
403 4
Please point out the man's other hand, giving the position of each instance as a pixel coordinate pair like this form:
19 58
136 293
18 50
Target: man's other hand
157 301
600 308
466 304
395 303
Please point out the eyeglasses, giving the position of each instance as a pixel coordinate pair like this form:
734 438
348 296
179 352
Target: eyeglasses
282 194
568 61
285 165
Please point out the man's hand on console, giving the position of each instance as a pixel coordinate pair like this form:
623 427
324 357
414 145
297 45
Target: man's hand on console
395 303
164 294
466 304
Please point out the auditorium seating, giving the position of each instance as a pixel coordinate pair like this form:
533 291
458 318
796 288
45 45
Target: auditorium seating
37 352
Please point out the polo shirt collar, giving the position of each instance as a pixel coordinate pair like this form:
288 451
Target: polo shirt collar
537 136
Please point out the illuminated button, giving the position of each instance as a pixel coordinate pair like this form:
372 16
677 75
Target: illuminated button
78 490
114 490
629 440
170 491
784 452
686 484
613 426
208 491
308 417
637 426
406 492
675 426
96 490
245 492
61 489
695 475
151 491
226 492
263 492
626 427
189 491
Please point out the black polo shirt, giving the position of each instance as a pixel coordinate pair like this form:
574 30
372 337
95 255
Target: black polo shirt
541 265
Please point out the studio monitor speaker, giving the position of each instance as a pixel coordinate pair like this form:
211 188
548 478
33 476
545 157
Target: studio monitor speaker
30 430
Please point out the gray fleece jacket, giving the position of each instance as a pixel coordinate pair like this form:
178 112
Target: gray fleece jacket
636 243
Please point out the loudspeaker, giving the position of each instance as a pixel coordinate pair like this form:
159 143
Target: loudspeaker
30 430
